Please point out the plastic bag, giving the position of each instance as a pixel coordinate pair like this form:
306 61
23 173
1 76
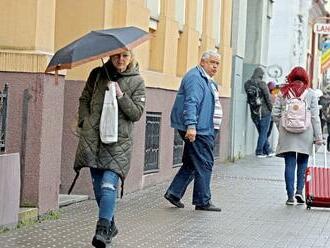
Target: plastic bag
109 116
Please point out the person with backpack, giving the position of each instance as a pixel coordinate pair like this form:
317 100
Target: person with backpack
259 100
296 115
325 112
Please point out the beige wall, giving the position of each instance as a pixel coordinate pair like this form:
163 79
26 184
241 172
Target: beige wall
26 42
26 34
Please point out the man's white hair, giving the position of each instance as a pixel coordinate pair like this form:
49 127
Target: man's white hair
210 53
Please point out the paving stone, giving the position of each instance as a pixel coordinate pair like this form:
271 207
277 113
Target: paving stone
251 193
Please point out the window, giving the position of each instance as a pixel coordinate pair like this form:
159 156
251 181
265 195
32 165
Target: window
177 148
180 6
270 9
154 7
3 117
217 145
199 16
152 140
216 21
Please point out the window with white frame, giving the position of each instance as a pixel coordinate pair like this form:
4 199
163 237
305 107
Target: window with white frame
216 20
180 6
199 16
154 7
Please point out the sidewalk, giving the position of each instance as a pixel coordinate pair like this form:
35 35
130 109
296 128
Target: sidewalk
251 193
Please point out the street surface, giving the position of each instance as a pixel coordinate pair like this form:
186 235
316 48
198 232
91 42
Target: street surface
251 193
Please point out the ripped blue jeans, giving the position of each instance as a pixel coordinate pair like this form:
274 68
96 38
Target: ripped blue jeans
105 189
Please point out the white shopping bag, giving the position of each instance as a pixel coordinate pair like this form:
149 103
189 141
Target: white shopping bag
109 116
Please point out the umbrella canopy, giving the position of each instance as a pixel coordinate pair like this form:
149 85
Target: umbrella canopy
96 45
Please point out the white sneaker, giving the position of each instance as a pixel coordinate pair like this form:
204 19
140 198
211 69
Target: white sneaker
272 154
261 156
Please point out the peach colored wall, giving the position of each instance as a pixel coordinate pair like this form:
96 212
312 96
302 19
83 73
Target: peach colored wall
9 188
72 93
36 137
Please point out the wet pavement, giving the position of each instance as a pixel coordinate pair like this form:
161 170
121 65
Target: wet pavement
251 193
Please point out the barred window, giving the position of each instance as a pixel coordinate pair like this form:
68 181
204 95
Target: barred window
3 117
177 148
152 140
217 145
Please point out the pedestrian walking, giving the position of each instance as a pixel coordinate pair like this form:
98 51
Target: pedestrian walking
109 162
259 100
325 112
272 90
296 115
197 115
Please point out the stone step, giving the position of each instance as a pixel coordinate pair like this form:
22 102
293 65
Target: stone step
65 200
27 214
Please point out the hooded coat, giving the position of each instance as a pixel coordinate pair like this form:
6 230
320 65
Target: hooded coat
91 152
297 142
266 102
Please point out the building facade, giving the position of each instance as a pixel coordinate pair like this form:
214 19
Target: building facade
41 110
250 36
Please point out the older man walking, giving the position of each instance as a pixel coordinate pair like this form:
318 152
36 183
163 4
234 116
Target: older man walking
197 115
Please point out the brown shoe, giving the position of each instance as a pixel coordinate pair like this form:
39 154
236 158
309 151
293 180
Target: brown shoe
208 207
174 200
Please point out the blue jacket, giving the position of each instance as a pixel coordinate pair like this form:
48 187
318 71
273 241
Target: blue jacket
194 103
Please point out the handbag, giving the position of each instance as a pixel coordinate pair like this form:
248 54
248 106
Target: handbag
109 116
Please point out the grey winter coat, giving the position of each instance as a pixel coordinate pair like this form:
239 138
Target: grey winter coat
91 152
297 142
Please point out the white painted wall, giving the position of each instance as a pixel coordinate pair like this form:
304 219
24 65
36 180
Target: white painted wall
288 35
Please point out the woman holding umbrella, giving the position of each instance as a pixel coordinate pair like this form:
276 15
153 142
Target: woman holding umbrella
109 162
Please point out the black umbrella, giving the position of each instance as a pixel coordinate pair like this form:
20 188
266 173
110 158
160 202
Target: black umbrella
96 45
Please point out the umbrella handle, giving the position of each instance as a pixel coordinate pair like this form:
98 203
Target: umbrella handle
106 70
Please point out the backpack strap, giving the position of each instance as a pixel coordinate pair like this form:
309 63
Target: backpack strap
301 97
304 94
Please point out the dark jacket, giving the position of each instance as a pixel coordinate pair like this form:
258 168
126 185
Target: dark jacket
91 152
194 103
266 102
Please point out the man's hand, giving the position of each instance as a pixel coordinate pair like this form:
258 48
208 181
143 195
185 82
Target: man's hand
191 134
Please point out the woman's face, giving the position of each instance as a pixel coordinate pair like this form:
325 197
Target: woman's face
121 61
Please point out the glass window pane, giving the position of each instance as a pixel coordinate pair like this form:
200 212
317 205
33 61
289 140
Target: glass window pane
216 20
154 7
199 16
180 6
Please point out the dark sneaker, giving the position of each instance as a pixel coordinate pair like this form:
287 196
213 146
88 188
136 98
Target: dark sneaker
299 197
113 229
208 207
103 234
174 200
290 201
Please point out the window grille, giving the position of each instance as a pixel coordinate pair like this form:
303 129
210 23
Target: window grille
152 140
217 145
177 148
3 117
